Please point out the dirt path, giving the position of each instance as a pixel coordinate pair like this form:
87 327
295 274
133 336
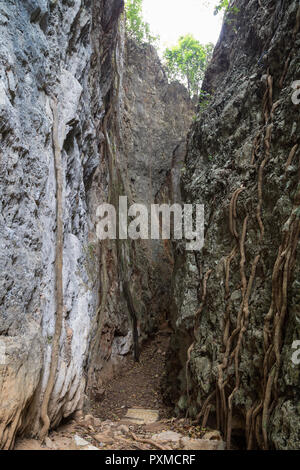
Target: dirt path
138 385
106 426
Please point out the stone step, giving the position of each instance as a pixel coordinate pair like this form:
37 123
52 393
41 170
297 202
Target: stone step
141 416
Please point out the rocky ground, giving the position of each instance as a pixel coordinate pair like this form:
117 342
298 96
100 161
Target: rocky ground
131 415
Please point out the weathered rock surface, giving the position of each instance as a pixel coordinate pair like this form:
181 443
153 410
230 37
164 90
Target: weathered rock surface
148 123
156 119
48 48
75 50
243 164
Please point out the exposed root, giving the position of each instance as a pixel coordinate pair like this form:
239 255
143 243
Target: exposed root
243 257
257 416
282 274
291 156
260 180
268 98
204 406
189 351
206 416
255 148
266 408
58 273
199 311
233 213
254 426
274 107
104 279
229 259
243 329
149 441
248 429
285 69
287 62
196 324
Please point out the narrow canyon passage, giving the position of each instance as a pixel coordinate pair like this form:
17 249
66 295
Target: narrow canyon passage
93 122
138 384
132 413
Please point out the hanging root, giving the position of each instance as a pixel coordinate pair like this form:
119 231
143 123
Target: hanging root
227 338
255 148
291 156
204 407
228 261
233 213
149 441
225 407
282 274
268 97
248 429
257 416
266 408
269 316
58 273
206 416
196 324
274 107
199 311
243 257
252 425
260 180
189 351
243 329
285 69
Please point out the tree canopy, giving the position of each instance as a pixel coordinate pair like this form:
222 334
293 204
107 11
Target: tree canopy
187 62
136 27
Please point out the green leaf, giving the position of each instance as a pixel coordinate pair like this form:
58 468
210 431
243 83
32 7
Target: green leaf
136 28
187 62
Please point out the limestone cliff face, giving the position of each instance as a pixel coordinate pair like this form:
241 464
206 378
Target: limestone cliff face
119 124
63 49
156 118
144 147
236 309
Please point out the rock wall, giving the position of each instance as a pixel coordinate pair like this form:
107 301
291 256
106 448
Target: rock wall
144 148
120 127
236 303
156 118
64 49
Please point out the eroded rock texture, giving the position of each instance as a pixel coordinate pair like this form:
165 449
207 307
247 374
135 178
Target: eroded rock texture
156 118
144 146
236 310
61 48
119 124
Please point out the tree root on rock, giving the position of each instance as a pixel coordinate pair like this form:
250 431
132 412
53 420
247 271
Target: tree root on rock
150 442
58 272
197 316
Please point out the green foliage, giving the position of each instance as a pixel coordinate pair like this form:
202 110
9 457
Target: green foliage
187 62
204 100
225 5
136 28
